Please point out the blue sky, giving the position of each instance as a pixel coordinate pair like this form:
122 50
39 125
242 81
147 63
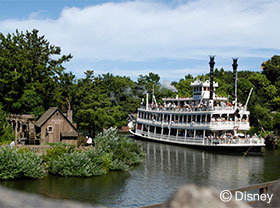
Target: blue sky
171 38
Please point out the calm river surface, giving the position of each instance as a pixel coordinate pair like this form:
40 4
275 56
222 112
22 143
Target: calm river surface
166 168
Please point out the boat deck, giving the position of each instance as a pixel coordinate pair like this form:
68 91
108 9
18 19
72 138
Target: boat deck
242 145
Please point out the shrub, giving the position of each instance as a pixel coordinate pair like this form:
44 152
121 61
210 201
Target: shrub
56 150
125 152
81 163
20 164
112 152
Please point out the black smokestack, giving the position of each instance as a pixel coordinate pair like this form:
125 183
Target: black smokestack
234 66
211 63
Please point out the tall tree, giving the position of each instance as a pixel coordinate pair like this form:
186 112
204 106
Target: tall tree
29 69
271 69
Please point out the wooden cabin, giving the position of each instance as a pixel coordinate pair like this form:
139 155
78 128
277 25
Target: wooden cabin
54 126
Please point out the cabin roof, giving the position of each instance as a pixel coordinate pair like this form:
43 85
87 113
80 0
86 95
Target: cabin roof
46 116
43 119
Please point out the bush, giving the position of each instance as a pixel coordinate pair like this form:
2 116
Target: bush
112 152
57 150
20 164
125 152
81 163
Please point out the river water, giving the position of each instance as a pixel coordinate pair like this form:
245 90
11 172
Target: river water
165 168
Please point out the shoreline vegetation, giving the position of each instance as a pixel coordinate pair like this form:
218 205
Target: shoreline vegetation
111 152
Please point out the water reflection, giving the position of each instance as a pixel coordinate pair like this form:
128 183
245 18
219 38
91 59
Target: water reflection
100 189
201 167
165 169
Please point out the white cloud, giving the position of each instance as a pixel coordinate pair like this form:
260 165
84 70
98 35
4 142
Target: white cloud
146 30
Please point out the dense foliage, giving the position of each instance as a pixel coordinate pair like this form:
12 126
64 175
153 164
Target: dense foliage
6 132
56 151
123 151
16 163
112 152
32 79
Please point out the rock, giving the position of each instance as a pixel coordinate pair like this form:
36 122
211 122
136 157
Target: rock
275 201
15 199
192 196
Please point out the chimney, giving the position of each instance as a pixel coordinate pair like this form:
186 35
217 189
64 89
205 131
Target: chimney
211 63
69 111
70 116
234 66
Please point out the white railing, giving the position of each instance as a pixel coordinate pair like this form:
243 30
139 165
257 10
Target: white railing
205 141
193 109
240 124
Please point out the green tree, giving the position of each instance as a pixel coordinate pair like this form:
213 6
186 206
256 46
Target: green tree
184 87
271 69
6 132
150 82
95 109
30 68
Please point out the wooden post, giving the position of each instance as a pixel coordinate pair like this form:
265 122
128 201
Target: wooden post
16 131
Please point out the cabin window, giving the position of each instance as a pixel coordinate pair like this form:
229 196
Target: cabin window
49 129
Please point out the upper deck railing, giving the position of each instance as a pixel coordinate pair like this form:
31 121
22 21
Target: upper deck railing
193 109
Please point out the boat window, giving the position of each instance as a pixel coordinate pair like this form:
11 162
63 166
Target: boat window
190 133
203 118
198 118
158 130
181 132
193 118
173 132
145 128
208 118
165 131
139 126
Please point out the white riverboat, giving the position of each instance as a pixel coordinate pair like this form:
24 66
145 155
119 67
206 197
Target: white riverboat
204 120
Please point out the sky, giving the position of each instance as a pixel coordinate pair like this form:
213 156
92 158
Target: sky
171 38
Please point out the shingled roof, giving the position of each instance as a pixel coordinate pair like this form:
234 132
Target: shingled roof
43 119
46 116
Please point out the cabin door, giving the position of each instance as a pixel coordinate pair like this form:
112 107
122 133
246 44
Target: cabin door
56 132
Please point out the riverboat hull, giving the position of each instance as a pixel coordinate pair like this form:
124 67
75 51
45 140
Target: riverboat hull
220 148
